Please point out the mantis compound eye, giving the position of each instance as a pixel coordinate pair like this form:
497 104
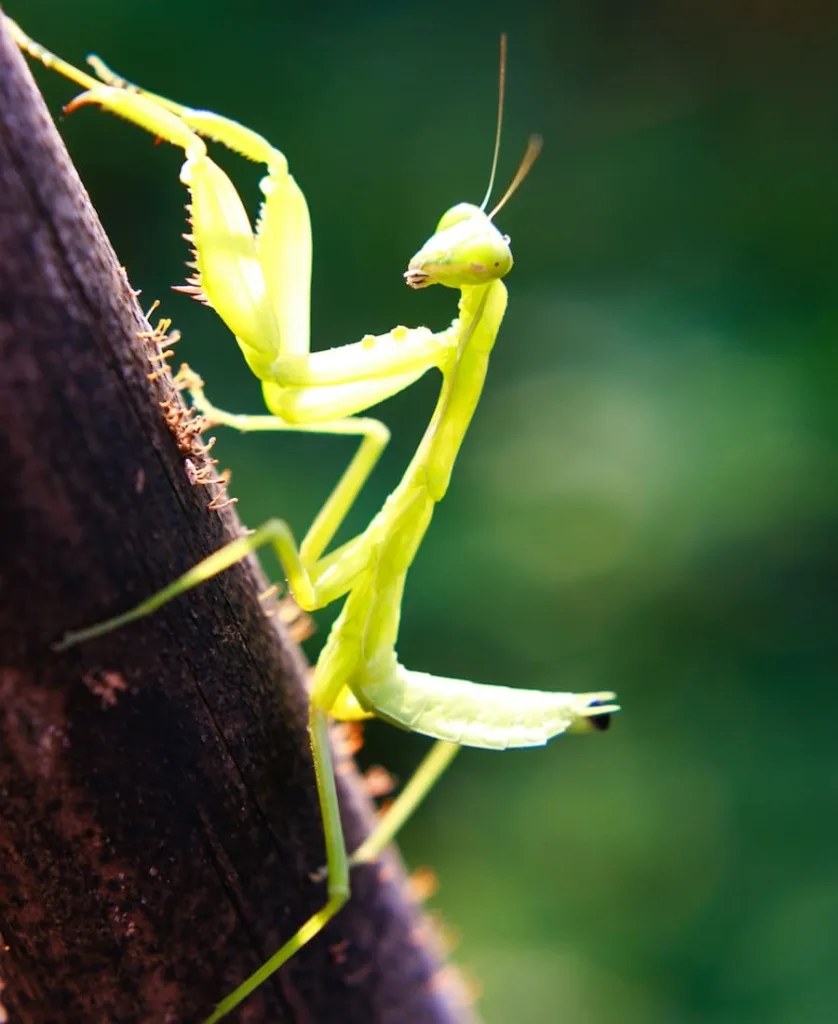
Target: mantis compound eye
457 214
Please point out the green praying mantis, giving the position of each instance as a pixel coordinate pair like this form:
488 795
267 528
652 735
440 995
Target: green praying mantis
258 281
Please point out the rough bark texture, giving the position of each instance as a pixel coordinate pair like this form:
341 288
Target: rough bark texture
159 819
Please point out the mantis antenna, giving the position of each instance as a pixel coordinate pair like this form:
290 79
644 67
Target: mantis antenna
501 91
534 144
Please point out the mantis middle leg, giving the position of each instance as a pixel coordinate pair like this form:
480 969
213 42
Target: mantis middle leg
314 580
374 433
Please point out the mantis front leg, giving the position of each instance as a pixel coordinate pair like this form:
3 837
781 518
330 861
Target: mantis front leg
259 283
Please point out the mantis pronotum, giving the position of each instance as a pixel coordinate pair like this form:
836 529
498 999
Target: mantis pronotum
258 283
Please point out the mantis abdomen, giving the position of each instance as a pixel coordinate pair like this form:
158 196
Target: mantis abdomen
478 715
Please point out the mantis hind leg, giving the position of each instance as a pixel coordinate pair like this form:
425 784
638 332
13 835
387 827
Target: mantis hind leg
329 684
423 780
337 865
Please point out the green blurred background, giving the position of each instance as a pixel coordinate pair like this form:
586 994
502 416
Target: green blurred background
648 498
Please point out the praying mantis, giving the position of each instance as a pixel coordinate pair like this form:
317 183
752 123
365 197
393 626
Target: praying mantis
258 282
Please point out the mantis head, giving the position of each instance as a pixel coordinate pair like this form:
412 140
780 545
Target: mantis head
467 248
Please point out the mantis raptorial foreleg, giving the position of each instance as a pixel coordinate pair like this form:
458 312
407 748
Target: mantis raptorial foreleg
259 285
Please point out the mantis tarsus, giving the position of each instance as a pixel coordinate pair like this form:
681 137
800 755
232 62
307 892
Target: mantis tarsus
259 285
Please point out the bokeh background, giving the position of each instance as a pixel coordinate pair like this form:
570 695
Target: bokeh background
648 498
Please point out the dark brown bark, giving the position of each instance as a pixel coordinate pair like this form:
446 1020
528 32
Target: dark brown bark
159 819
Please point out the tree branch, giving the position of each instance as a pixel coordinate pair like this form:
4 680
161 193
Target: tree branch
159 817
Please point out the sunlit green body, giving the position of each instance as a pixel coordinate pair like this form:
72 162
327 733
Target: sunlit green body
259 284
